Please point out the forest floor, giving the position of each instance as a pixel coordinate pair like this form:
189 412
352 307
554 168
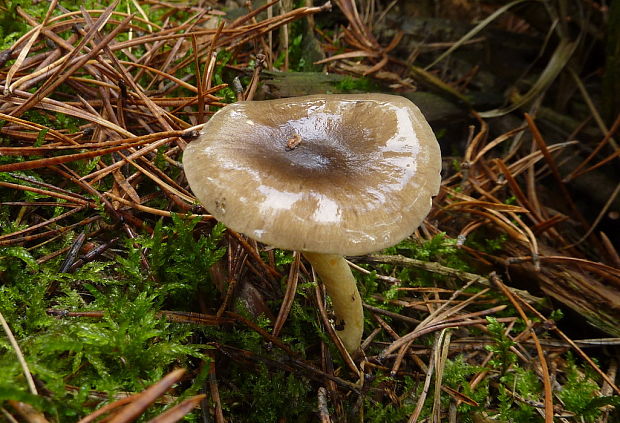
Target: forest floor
121 298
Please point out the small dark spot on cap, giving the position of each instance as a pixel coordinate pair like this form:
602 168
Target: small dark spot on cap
190 135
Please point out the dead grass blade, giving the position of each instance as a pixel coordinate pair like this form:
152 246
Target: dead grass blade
427 383
26 49
441 356
20 356
542 360
435 320
578 171
20 59
179 411
108 408
289 295
142 401
593 109
540 142
519 194
563 53
476 30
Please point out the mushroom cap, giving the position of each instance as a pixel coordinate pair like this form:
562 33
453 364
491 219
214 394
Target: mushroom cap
338 174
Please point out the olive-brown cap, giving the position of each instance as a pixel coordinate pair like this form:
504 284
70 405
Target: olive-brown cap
339 174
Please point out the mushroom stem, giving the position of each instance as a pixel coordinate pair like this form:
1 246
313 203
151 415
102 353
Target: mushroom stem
342 289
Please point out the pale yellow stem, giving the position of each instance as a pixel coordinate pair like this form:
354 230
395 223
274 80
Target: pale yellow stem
346 301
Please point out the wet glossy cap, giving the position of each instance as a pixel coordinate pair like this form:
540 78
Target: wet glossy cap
339 174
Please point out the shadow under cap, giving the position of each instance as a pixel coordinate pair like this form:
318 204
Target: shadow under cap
360 178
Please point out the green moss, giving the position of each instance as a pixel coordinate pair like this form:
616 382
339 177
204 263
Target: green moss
129 346
485 242
440 249
393 408
356 85
268 396
504 357
580 393
219 76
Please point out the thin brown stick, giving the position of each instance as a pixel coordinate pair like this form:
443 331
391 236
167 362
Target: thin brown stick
541 355
142 401
289 295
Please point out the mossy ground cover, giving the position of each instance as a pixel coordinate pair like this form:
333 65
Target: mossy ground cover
112 276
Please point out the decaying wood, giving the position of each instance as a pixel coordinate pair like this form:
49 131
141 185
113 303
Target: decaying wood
596 298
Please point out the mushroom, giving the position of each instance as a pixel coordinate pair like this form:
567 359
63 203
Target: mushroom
328 175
